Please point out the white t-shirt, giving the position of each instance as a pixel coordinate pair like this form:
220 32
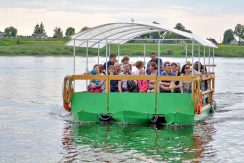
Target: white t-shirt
136 72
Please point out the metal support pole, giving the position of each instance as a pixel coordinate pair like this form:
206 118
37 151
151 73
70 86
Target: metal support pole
106 68
186 51
74 50
158 57
118 51
109 52
107 78
213 59
204 53
192 55
198 58
87 72
144 53
87 50
74 59
98 52
209 51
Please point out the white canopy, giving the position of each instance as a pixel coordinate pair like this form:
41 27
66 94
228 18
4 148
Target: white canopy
120 33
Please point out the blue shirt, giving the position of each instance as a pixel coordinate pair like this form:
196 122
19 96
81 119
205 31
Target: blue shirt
108 64
114 85
164 74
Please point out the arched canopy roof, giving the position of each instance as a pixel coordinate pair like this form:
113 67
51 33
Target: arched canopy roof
120 33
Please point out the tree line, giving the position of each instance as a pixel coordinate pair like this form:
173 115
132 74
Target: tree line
40 32
231 35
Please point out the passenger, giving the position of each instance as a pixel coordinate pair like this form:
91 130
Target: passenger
164 65
179 68
125 60
113 83
198 65
94 85
122 85
117 69
153 68
204 83
112 59
142 84
167 86
139 65
98 69
102 70
175 68
187 71
155 60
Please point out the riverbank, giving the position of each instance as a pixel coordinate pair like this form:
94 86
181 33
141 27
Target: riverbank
52 47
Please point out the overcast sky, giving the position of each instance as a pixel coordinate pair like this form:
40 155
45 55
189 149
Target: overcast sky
208 19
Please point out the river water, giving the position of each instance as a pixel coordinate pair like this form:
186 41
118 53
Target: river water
35 128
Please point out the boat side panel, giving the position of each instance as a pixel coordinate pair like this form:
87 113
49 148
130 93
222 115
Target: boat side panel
175 103
89 102
136 102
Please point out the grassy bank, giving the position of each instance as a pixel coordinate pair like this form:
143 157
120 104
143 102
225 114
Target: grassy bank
34 47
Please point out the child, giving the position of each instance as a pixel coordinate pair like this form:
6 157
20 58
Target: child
142 84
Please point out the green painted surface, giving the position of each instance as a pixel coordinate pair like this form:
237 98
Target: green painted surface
85 116
137 102
130 108
179 118
129 117
175 103
89 102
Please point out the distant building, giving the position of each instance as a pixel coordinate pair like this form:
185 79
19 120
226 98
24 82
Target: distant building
212 40
39 36
2 34
234 42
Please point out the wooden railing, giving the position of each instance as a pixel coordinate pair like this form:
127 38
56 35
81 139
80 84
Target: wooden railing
198 94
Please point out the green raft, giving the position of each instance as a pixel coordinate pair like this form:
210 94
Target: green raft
133 108
137 108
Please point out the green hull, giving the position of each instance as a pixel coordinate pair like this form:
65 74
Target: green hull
131 108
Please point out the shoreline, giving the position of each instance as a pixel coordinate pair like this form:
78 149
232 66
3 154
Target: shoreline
37 47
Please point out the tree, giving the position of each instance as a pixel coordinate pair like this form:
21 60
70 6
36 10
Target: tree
10 31
39 31
36 29
181 27
84 29
58 33
228 36
69 32
155 22
171 35
239 32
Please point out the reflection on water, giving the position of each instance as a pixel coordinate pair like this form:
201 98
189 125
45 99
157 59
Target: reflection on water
115 143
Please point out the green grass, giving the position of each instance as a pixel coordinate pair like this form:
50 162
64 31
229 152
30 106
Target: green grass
36 47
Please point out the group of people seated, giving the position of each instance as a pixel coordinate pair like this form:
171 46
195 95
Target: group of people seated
155 67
